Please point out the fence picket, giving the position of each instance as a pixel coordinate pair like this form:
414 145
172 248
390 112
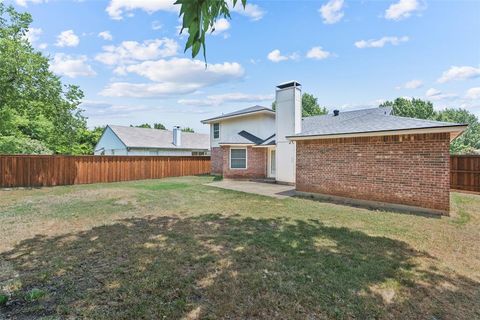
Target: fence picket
42 170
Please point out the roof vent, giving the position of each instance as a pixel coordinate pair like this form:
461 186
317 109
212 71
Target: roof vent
336 113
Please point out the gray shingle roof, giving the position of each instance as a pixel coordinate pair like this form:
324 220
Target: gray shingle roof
163 139
245 137
241 112
363 121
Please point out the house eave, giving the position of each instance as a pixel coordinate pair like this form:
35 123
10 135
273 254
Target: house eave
451 129
237 144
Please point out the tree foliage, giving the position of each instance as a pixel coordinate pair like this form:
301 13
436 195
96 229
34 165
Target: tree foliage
199 17
143 125
188 129
159 126
468 142
411 108
38 114
310 106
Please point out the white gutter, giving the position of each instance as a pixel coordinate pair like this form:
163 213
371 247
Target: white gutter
457 128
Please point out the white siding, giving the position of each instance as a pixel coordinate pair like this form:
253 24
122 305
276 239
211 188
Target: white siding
260 125
110 143
289 122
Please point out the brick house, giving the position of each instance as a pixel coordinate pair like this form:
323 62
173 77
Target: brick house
368 155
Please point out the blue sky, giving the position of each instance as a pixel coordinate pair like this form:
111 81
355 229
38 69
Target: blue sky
128 57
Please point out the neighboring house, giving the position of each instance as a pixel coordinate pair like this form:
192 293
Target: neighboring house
366 154
122 140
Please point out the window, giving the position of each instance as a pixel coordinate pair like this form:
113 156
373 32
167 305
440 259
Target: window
216 130
238 158
199 153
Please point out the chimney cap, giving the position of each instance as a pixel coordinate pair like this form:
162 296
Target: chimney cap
336 113
289 84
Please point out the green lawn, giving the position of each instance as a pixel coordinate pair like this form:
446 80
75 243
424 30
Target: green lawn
177 249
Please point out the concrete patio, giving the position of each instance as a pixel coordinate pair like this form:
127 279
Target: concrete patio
265 189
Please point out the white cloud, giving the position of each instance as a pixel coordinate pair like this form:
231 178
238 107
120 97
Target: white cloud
105 109
332 11
434 94
70 66
181 69
33 34
116 8
276 56
67 38
105 35
402 9
318 53
219 99
174 76
221 25
24 3
43 45
133 51
412 84
156 25
253 11
473 93
459 73
379 43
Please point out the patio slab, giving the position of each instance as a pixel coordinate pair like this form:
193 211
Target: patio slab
265 189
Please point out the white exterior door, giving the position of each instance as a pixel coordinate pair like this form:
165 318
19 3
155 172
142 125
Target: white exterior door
272 166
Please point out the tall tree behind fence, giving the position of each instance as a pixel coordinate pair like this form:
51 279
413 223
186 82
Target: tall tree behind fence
37 170
465 173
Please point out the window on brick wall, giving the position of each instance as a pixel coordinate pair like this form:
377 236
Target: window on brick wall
238 158
216 130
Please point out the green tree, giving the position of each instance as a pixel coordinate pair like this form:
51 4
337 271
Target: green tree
468 142
187 129
411 108
35 107
143 125
199 17
87 140
159 126
310 106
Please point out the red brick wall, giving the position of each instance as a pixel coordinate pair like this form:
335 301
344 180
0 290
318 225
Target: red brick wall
407 169
256 164
216 160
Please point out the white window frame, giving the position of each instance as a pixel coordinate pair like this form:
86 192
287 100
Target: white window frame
230 158
213 130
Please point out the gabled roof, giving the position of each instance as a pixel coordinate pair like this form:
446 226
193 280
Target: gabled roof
246 138
134 137
368 121
242 112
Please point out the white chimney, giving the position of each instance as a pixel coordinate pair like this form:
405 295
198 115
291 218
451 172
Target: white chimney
288 120
177 136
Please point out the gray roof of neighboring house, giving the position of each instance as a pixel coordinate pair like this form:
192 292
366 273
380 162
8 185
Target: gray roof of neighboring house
134 137
253 109
364 121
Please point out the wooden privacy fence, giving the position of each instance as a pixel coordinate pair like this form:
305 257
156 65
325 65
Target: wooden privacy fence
465 173
40 170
